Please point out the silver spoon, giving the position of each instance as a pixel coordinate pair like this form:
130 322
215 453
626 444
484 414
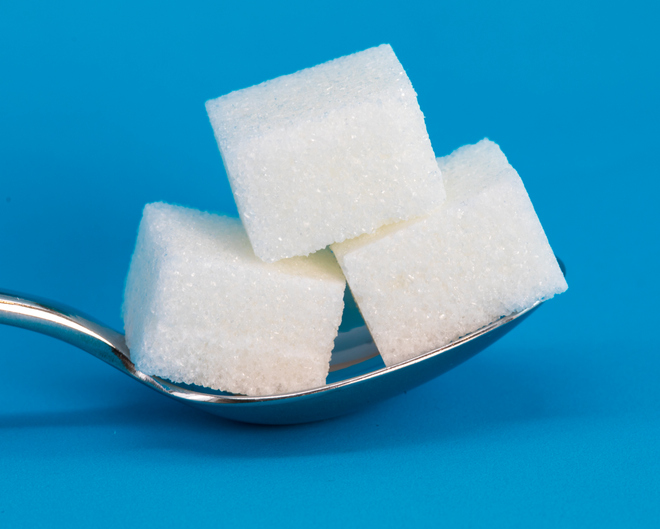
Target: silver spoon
358 376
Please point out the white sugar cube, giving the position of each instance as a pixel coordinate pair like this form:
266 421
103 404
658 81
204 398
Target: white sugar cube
482 255
326 154
200 308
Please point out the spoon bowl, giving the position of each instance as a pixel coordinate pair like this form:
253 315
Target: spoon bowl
358 376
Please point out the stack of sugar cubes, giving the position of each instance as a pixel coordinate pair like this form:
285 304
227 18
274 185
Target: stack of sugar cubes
336 155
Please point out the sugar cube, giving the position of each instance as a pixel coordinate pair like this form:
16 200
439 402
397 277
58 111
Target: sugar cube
200 308
481 255
326 154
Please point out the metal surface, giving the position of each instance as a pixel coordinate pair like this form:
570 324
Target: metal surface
353 383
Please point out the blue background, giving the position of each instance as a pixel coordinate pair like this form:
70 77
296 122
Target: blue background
557 425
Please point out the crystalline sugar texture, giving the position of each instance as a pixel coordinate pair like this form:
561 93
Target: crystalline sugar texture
326 154
200 308
482 255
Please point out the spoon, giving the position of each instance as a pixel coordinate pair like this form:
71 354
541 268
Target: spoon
358 376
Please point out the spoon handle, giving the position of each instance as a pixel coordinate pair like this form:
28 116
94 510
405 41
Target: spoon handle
66 324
